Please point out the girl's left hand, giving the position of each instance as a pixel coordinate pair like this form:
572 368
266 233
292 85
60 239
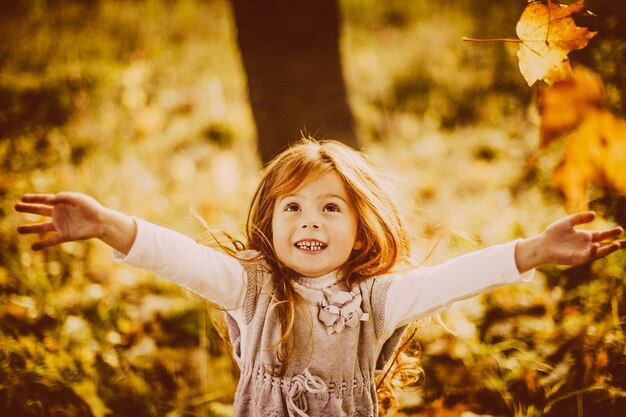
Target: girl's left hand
562 244
568 246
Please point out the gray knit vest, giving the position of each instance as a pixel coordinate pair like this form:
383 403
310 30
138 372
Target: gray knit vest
331 372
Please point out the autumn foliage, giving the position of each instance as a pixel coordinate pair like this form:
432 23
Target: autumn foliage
548 33
594 138
142 104
570 102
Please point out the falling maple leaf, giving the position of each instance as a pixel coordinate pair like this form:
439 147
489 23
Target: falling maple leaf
548 33
564 104
595 154
594 138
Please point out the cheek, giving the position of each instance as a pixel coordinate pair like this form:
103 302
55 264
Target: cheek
279 231
277 240
346 234
354 228
275 232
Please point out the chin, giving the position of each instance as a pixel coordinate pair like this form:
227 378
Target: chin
309 273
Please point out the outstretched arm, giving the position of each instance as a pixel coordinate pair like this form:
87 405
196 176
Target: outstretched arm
75 216
424 291
562 244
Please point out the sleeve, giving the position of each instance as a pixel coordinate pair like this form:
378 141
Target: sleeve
213 275
425 291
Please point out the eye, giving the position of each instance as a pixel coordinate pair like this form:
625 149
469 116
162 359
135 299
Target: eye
292 207
332 208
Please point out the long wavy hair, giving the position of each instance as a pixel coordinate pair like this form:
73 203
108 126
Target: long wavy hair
380 231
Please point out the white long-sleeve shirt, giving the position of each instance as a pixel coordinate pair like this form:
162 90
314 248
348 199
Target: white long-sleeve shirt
417 293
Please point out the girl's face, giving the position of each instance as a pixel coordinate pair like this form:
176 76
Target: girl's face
314 227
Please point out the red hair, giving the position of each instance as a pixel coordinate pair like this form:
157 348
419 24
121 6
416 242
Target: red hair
380 231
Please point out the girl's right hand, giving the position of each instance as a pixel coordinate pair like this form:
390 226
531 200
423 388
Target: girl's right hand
76 216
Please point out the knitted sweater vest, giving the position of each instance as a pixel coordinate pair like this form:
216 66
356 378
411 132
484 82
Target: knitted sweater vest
338 350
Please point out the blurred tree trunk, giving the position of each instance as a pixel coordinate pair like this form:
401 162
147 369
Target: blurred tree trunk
290 52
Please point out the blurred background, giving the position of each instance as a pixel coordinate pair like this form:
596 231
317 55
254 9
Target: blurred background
160 108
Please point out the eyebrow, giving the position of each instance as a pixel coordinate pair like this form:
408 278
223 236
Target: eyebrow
322 196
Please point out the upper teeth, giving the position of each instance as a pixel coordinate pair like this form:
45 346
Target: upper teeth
308 245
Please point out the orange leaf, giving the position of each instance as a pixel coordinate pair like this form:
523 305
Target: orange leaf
548 33
595 154
564 104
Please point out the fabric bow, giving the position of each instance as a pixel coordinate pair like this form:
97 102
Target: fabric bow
339 309
300 385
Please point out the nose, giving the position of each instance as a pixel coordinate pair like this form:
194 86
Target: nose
311 221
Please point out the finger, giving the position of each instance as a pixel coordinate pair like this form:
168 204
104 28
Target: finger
34 209
607 249
607 234
54 240
35 228
66 197
38 198
581 218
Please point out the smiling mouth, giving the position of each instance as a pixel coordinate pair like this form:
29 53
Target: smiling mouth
310 245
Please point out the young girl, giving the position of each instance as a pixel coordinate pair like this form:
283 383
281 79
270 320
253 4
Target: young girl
316 304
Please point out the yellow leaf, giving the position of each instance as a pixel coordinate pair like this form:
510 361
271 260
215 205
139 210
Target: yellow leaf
548 33
595 154
564 104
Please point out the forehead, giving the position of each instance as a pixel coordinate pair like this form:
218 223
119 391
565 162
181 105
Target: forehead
321 185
